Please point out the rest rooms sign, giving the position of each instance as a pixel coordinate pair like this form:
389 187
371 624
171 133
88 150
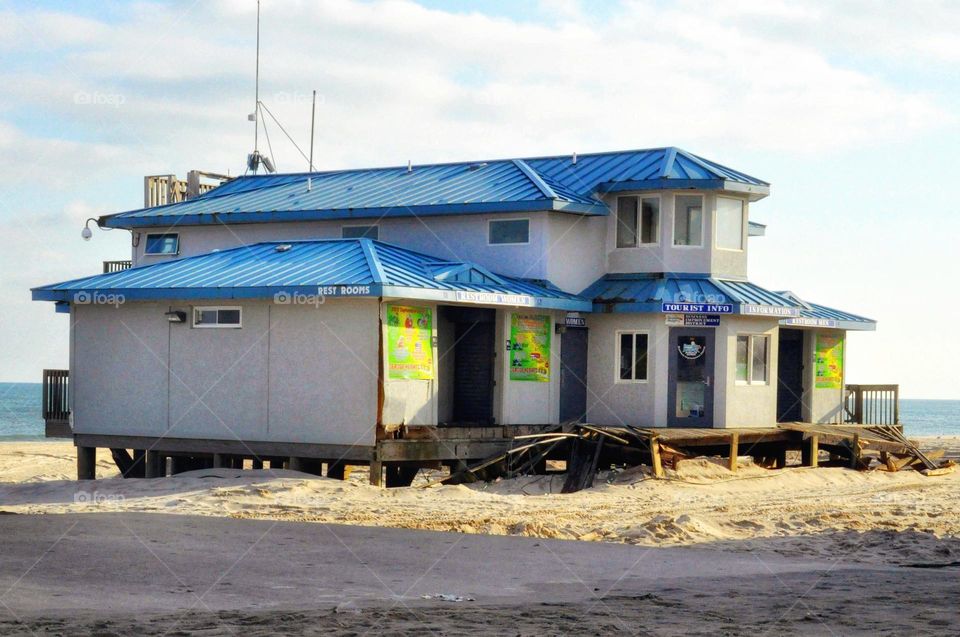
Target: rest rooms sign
693 320
697 308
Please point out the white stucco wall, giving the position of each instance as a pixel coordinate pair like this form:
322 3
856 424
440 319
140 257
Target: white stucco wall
291 373
821 405
614 402
457 237
410 402
738 404
666 257
524 402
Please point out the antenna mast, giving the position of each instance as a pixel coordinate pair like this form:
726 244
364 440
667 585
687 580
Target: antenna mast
313 118
256 105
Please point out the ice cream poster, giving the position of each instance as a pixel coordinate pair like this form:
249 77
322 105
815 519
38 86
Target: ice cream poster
529 347
829 362
409 343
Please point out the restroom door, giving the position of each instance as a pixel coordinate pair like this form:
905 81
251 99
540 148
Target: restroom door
691 377
573 375
790 376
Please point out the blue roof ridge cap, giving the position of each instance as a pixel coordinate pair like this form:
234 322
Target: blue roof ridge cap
535 178
373 260
668 161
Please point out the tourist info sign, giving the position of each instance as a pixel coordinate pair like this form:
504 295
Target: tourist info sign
697 308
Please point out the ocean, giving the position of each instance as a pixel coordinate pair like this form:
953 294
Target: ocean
20 416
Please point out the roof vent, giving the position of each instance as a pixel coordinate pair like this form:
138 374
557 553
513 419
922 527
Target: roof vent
574 156
283 247
409 166
477 166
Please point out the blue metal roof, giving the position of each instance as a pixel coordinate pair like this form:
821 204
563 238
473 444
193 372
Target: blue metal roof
335 267
815 315
648 293
511 185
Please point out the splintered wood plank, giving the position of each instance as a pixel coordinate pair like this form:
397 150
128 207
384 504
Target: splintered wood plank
655 457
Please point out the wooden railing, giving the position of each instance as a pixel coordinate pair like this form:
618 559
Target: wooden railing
872 404
56 394
116 266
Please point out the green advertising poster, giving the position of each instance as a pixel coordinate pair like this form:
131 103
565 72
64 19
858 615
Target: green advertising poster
409 343
829 362
530 347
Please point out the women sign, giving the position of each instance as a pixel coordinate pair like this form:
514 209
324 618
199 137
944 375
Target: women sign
409 343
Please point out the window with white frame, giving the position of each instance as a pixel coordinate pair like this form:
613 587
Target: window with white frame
753 360
508 231
162 243
688 220
360 232
638 221
216 316
729 223
632 357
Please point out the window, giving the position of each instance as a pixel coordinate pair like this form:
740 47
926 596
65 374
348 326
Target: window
360 232
729 223
216 317
168 243
507 231
688 221
638 221
632 357
752 360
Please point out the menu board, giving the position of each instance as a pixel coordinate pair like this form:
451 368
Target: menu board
409 343
829 362
530 347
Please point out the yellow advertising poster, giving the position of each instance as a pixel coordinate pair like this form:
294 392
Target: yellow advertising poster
409 343
530 347
829 362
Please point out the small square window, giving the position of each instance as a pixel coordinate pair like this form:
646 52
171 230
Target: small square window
216 317
632 356
360 232
509 231
167 243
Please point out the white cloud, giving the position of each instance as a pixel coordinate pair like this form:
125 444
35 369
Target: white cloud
90 106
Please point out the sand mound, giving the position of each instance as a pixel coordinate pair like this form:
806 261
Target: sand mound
828 512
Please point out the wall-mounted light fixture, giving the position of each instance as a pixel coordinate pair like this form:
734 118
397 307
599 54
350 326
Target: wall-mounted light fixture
176 316
87 233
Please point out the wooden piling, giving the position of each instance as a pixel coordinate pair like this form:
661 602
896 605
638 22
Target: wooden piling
218 460
152 466
811 451
86 463
376 473
734 451
855 452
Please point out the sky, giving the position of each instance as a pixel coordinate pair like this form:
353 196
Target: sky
849 109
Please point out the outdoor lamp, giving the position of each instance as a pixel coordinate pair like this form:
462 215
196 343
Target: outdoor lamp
176 316
87 233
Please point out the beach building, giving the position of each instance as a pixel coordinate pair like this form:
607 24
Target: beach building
421 314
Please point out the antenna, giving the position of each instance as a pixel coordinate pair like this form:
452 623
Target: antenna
313 119
256 89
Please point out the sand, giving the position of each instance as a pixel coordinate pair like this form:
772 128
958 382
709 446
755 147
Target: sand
870 517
